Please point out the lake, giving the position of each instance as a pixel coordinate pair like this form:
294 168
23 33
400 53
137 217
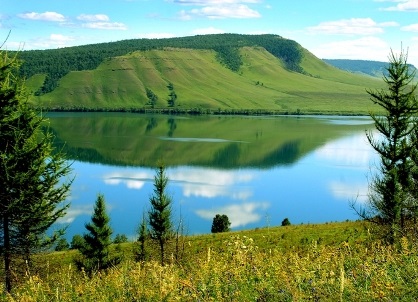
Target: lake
256 170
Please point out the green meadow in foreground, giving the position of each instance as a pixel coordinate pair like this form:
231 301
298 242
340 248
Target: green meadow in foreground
327 262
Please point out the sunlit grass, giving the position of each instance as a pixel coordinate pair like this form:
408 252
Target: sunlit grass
239 267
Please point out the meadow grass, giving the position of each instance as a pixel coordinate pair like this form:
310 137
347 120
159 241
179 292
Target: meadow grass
258 265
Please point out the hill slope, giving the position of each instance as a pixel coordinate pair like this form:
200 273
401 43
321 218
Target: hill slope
372 68
265 79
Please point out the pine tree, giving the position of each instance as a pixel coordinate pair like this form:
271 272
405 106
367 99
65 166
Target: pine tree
140 248
31 196
389 199
160 212
95 250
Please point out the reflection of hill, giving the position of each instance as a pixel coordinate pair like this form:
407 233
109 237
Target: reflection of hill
223 142
286 154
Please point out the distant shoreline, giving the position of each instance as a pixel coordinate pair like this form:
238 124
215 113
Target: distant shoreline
202 111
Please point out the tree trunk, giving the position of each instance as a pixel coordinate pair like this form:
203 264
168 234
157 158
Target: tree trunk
7 254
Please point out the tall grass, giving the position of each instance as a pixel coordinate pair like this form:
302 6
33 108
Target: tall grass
238 269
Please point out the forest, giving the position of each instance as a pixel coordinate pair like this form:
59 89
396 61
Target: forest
56 63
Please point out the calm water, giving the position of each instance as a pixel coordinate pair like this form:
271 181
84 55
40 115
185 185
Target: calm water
256 170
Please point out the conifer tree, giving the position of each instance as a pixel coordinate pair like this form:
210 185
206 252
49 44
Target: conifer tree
160 212
95 250
140 247
389 197
32 197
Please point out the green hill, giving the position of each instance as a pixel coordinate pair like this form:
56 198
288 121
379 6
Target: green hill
372 68
226 72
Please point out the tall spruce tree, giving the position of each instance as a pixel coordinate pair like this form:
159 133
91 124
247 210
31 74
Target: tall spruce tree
390 198
95 250
32 196
161 228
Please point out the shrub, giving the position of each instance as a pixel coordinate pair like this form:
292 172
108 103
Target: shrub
220 224
286 222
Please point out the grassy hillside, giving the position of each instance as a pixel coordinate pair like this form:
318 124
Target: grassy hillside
201 81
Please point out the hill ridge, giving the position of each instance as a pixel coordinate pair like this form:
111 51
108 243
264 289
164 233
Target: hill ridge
280 76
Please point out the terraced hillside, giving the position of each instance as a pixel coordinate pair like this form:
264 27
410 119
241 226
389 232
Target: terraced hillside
201 78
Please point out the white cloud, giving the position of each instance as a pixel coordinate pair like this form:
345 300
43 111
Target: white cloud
412 28
404 6
366 48
75 211
346 151
212 183
349 192
105 25
130 179
93 18
53 41
213 2
354 26
100 21
156 35
59 39
238 214
226 11
46 16
207 31
218 9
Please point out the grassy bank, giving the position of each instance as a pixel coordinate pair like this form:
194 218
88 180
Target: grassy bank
329 262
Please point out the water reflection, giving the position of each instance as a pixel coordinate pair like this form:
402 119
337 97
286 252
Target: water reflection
240 215
222 142
255 170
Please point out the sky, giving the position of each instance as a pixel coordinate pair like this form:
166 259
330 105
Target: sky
331 29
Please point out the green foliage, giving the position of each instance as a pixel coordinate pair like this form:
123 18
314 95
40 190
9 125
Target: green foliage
390 201
220 224
152 97
172 96
120 238
95 251
77 242
140 251
62 245
286 222
32 193
229 56
159 216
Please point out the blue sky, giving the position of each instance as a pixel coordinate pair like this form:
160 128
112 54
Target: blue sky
342 29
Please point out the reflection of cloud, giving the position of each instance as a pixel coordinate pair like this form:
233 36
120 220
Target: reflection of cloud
130 179
353 151
349 192
74 211
212 183
238 214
